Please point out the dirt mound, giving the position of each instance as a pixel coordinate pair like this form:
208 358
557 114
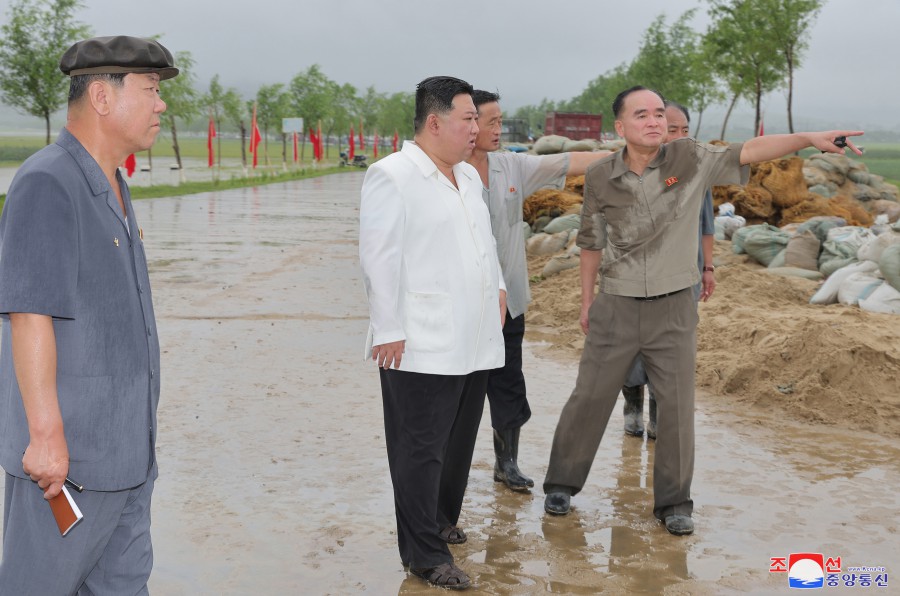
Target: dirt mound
762 344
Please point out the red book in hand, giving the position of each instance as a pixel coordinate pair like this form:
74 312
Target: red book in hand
65 510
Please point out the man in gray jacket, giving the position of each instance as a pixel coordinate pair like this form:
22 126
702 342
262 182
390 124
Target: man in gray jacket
79 361
508 179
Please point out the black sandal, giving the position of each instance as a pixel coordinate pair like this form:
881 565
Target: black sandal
453 535
445 575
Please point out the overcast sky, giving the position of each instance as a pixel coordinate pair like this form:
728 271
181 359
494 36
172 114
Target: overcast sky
526 49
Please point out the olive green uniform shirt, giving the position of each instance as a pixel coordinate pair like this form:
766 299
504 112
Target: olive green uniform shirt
647 226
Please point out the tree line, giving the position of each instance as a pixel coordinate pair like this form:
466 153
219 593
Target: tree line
750 48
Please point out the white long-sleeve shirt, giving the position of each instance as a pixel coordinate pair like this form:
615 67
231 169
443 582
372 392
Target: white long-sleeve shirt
430 267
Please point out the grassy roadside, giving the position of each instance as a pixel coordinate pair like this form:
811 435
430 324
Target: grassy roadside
187 188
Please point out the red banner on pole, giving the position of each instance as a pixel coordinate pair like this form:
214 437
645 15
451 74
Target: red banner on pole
351 150
255 138
210 135
296 153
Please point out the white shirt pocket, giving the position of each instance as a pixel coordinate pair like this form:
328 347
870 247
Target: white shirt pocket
428 322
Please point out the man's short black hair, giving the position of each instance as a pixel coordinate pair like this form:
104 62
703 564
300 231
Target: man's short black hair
435 95
481 97
678 106
619 101
79 83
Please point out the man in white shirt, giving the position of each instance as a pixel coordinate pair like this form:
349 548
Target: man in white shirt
436 306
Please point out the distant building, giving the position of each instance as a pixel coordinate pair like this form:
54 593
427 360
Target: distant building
574 125
514 130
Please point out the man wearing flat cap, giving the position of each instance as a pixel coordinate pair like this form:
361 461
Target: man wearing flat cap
79 359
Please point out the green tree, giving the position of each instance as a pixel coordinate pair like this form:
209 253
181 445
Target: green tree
791 21
224 103
745 49
666 59
311 95
345 112
707 86
233 106
272 104
396 113
182 100
598 96
32 41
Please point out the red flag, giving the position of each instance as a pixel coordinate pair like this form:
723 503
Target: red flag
350 151
362 142
130 165
210 135
296 154
319 141
255 138
314 143
396 140
375 145
762 128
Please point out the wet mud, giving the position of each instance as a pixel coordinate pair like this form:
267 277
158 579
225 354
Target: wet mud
273 472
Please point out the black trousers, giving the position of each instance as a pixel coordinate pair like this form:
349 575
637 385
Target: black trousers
506 386
430 426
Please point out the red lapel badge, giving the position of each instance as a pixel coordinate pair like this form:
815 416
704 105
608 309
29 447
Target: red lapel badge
671 181
512 189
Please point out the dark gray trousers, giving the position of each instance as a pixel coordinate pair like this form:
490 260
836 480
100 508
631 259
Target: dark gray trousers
430 426
663 333
107 553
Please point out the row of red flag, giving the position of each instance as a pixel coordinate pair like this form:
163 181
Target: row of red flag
315 138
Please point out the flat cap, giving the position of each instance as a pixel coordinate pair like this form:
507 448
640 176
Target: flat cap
118 54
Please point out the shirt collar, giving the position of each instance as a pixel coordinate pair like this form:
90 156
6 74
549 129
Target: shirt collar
92 172
620 168
428 167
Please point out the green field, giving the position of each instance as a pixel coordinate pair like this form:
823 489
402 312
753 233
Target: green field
881 158
14 150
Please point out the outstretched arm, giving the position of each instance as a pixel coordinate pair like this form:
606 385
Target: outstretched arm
775 146
580 160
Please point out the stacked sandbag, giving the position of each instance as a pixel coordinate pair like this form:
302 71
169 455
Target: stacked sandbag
889 265
549 144
792 190
548 244
560 262
870 279
841 246
575 184
727 222
549 202
581 145
762 242
563 223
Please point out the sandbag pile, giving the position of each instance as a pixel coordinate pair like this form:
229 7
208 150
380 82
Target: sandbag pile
790 190
862 267
549 203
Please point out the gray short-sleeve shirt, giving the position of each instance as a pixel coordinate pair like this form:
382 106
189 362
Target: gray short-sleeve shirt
65 252
513 178
648 226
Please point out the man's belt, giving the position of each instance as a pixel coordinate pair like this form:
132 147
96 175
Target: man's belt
650 298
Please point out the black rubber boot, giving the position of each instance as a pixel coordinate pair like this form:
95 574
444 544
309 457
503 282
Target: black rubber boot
634 410
506 470
651 417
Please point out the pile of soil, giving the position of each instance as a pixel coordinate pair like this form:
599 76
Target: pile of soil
761 344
